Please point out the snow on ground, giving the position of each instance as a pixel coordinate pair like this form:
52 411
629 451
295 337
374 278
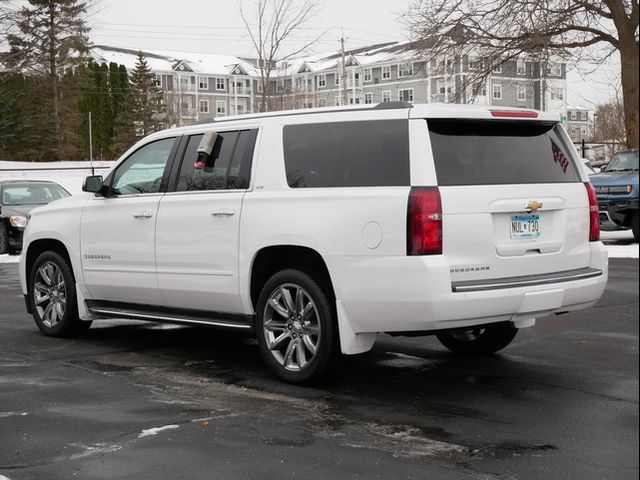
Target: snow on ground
9 258
620 244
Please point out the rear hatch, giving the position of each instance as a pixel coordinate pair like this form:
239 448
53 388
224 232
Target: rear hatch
513 202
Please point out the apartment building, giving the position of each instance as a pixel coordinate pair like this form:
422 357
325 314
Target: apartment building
197 86
577 123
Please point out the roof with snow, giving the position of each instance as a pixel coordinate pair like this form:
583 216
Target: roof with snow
213 64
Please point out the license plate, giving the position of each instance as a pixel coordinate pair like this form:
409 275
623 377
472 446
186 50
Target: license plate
525 227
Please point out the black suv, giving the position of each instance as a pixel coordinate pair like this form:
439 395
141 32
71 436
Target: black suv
17 199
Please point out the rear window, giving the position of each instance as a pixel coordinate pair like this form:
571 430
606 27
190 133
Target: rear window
347 154
468 152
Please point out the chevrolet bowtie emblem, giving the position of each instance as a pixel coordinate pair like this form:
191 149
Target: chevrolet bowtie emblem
534 205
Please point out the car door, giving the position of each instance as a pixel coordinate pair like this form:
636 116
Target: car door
118 230
198 225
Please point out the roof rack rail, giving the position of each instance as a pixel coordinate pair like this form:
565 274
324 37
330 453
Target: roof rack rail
206 120
392 105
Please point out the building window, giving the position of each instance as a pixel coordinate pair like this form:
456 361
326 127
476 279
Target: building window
573 115
521 93
583 116
583 130
220 84
367 75
557 94
574 132
221 108
497 69
497 92
554 69
322 81
386 72
368 98
405 95
405 70
322 103
157 80
203 84
521 67
260 87
386 96
338 100
475 64
239 109
338 79
204 106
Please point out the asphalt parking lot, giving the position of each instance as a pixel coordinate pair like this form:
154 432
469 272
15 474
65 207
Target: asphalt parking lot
130 400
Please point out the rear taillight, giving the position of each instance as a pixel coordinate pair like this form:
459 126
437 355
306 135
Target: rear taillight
424 222
594 213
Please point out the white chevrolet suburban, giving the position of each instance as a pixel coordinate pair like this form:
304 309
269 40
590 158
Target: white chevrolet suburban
318 229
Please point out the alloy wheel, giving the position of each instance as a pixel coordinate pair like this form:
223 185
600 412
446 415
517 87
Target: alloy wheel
291 327
50 294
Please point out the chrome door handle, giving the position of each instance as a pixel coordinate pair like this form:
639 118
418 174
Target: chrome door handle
143 215
223 212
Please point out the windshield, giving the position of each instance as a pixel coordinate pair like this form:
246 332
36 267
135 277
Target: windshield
31 194
624 162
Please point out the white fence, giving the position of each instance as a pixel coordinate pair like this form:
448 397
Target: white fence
68 174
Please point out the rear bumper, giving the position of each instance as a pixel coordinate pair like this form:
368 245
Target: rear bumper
417 294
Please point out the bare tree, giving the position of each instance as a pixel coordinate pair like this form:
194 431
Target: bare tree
501 30
608 124
270 25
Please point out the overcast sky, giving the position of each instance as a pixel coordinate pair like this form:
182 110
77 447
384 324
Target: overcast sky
215 26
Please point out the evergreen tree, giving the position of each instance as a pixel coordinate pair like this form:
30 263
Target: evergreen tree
50 36
146 98
26 132
123 128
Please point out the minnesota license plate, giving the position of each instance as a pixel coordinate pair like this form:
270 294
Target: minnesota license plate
525 227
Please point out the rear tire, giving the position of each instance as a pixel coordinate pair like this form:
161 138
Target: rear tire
52 295
296 327
635 226
479 341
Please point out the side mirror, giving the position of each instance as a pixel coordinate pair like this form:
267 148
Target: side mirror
208 143
93 184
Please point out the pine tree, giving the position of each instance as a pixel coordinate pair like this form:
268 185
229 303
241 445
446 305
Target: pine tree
26 132
123 127
146 98
50 36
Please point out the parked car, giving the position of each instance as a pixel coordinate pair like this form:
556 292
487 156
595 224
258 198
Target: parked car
17 199
591 170
318 229
618 193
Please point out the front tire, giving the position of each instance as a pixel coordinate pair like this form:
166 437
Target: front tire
479 341
296 327
52 294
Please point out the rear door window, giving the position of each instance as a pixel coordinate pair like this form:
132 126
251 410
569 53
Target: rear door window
347 154
227 168
471 152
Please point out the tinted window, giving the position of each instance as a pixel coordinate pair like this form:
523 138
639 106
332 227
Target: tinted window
347 154
142 171
495 153
228 167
